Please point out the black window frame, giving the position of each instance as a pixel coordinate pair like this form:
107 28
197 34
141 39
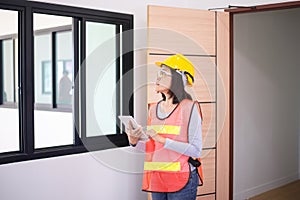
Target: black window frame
25 68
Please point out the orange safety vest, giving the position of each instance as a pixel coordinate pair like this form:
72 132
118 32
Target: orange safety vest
166 170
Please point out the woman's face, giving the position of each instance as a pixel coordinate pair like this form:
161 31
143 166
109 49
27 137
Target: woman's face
163 80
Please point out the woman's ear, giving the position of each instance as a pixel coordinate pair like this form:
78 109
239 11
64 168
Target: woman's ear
183 76
184 79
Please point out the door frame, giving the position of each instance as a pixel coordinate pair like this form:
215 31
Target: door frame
232 12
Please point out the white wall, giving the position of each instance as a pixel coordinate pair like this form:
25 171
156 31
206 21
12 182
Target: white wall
75 177
266 100
80 176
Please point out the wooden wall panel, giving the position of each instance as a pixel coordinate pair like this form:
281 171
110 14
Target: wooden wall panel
208 166
208 125
191 31
204 88
207 197
223 103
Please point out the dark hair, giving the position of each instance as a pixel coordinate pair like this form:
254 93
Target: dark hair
177 88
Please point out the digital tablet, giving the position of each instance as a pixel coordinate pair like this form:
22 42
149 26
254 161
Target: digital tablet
125 120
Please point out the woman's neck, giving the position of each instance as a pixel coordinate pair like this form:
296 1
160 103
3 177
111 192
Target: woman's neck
169 99
167 105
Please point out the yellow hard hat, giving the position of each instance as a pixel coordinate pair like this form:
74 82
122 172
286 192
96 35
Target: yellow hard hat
181 63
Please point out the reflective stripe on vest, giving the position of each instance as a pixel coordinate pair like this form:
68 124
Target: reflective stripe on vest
162 166
165 129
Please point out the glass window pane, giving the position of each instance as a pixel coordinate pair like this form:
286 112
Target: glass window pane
64 68
9 112
43 69
53 126
8 72
100 79
16 58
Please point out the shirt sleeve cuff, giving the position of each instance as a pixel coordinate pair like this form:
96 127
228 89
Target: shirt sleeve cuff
167 143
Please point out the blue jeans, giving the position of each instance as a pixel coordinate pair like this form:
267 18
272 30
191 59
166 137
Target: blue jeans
189 192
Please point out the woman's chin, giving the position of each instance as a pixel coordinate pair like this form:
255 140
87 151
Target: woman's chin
158 88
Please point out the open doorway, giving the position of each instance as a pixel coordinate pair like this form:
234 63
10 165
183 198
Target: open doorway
266 68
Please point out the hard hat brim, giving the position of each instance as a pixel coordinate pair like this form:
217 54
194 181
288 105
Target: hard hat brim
190 81
159 63
185 65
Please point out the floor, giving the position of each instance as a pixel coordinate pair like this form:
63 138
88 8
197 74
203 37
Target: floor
290 191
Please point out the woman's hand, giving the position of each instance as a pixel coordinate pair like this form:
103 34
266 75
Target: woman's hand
156 137
133 134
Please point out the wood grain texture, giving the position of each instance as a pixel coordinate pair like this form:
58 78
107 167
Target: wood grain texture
208 125
181 30
207 197
223 107
208 166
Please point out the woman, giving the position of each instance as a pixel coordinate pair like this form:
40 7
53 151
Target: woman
175 131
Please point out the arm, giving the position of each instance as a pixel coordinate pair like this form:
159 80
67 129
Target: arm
134 137
194 147
135 141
